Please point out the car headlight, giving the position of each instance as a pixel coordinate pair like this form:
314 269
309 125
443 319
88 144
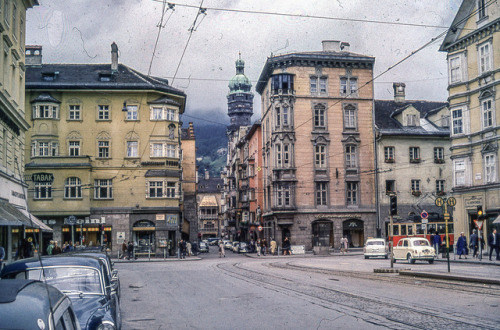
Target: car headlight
106 325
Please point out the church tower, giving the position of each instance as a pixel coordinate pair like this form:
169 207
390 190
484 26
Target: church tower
239 98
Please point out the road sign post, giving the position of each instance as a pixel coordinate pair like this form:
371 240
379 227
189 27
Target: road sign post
444 203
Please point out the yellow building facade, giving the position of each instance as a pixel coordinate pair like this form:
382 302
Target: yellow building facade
473 44
103 160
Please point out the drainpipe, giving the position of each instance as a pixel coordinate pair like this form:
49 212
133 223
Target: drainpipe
375 159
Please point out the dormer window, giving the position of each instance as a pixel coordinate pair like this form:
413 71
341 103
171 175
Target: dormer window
411 120
45 111
49 76
105 77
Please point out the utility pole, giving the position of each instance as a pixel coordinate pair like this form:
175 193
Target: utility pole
393 210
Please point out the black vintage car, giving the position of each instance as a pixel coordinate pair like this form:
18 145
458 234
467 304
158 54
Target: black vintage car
29 304
84 279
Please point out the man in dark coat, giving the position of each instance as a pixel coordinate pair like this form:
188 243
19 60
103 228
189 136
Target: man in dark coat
436 242
474 243
130 250
494 243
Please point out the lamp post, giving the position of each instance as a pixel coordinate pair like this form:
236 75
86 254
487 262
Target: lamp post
444 203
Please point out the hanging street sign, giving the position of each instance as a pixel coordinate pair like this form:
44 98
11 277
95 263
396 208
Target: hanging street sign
259 228
424 214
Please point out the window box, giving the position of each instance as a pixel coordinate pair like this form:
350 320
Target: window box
415 160
439 161
416 193
389 160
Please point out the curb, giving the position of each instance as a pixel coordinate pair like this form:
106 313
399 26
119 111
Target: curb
451 277
171 259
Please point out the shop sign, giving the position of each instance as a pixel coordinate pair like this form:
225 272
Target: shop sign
473 202
171 219
160 217
42 177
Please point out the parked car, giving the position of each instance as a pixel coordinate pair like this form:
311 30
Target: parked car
29 304
83 279
414 248
376 247
213 241
204 248
243 247
228 245
113 273
235 246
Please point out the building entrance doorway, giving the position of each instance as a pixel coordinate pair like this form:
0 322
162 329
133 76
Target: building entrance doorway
353 229
144 237
322 233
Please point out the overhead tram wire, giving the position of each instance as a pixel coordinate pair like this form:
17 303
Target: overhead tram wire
193 28
356 20
160 26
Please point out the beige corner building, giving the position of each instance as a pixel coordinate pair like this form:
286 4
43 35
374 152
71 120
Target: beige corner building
318 147
103 155
473 47
15 222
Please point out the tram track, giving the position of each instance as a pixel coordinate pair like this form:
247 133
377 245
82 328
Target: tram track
475 288
378 311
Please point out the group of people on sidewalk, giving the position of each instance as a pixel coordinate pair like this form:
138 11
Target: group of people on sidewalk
476 242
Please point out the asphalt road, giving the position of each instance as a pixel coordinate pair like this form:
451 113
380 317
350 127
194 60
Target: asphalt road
238 292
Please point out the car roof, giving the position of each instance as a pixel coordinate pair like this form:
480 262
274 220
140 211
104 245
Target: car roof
32 299
375 239
51 261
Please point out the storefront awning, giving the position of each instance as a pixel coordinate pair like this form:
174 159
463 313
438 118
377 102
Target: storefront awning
12 216
39 223
144 229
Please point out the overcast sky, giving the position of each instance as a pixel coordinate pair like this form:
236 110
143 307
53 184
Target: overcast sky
81 31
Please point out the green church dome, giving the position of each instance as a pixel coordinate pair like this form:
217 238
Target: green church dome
240 82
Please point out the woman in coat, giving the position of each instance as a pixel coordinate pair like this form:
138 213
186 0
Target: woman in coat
462 246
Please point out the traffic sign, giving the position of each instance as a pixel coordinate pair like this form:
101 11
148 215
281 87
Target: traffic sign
259 228
439 202
479 224
451 201
424 214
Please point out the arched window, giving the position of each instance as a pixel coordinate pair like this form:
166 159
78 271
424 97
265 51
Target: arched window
73 188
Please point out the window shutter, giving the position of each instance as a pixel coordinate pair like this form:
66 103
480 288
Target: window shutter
150 149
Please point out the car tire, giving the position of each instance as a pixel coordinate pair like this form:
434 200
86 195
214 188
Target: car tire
410 259
367 257
431 261
386 256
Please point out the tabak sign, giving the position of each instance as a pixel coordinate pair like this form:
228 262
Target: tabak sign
42 177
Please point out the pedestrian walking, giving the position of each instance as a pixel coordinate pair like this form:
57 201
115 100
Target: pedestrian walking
56 249
286 247
182 249
188 247
494 243
130 250
436 242
274 246
222 253
344 245
124 249
474 243
50 247
259 248
462 246
263 245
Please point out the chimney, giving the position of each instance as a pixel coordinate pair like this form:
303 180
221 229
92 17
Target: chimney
207 174
344 46
33 55
114 58
399 92
331 45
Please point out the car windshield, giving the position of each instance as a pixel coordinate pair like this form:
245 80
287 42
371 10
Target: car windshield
242 245
420 242
69 279
375 243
